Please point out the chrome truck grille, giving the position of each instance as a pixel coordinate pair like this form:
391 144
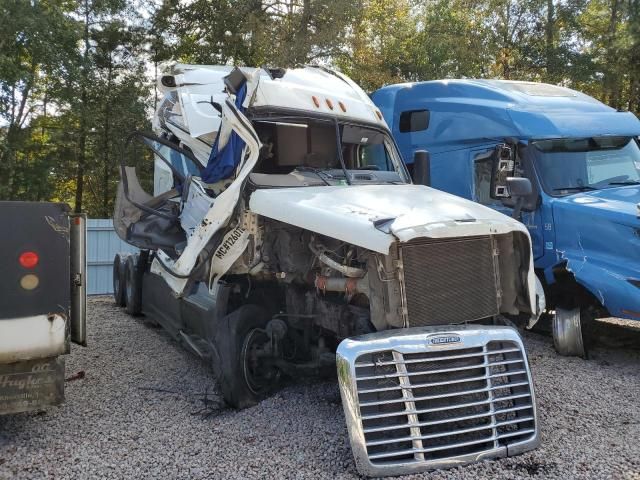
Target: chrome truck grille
436 397
449 281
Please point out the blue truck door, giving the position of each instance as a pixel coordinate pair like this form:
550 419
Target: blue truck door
482 161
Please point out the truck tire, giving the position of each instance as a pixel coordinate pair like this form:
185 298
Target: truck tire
119 278
133 286
570 332
244 378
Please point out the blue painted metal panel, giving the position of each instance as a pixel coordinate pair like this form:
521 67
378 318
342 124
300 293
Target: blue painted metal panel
102 245
471 112
595 233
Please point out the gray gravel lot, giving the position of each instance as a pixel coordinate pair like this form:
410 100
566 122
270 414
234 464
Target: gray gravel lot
138 414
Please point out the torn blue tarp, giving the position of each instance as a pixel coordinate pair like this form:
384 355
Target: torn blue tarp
222 162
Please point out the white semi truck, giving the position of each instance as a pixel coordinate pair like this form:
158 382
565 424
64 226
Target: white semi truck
42 301
280 234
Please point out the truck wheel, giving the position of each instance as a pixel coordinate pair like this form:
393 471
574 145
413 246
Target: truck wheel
133 286
569 332
242 346
119 267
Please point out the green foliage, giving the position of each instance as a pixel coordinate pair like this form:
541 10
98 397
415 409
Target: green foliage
253 32
76 75
36 47
72 84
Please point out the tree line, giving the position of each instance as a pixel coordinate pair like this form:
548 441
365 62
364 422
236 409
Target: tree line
76 76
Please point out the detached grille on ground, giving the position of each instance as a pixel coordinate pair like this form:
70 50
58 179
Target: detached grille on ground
420 406
449 281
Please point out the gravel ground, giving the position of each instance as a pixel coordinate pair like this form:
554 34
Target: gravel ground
140 412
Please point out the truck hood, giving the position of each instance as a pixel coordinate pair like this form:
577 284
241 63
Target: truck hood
597 235
375 216
619 205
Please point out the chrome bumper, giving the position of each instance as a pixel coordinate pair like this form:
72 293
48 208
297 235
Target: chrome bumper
436 397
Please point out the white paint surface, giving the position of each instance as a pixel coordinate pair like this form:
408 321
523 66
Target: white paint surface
25 338
348 212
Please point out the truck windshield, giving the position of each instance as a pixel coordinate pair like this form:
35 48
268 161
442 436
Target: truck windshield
567 166
299 150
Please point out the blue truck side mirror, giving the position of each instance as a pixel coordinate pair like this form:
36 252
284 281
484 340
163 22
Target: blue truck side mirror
519 188
422 168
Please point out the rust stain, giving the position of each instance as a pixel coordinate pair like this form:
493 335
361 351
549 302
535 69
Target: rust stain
76 376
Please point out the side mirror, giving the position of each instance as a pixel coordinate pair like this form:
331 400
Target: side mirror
519 188
422 168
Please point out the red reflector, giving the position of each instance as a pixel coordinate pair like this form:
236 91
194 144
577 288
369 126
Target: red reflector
29 259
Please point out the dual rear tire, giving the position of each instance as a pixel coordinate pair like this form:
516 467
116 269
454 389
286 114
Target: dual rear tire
119 278
127 282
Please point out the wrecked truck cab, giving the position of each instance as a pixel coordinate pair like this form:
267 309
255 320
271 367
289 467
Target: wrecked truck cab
278 225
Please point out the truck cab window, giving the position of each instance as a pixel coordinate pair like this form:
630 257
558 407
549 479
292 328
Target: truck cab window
482 171
567 166
414 121
374 157
305 152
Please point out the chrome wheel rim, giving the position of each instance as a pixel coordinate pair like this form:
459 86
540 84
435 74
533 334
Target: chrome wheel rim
567 333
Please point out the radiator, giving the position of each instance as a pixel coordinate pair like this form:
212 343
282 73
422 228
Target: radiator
450 281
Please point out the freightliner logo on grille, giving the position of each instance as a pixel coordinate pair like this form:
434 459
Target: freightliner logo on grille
443 340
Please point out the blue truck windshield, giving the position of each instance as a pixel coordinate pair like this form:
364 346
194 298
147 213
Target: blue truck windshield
567 166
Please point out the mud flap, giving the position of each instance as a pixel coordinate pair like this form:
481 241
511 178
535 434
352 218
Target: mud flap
31 384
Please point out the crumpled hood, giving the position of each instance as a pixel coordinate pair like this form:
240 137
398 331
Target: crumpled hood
619 205
403 212
597 235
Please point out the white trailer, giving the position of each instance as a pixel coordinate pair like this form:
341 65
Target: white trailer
42 301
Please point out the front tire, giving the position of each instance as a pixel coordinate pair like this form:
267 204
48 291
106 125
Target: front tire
242 366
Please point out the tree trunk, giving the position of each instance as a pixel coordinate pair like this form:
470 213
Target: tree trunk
550 35
82 140
301 52
612 84
106 176
80 168
506 47
634 64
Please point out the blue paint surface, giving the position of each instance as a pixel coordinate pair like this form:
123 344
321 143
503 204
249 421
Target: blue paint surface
597 233
224 160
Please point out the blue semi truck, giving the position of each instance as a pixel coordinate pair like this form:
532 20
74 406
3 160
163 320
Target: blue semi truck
566 163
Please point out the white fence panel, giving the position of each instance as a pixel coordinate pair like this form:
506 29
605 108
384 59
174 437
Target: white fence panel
102 245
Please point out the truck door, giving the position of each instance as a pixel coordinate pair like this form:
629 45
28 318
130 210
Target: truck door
491 167
140 218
